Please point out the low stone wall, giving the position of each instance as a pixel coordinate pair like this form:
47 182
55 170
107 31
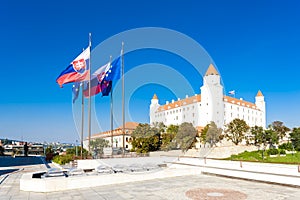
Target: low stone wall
27 183
181 166
266 172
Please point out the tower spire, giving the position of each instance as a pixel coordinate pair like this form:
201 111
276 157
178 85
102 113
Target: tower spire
259 94
211 70
154 96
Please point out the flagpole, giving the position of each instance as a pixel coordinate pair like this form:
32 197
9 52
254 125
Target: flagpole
111 115
123 97
89 105
82 122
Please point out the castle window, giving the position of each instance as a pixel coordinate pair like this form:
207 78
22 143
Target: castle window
231 114
193 114
183 109
187 108
176 117
183 116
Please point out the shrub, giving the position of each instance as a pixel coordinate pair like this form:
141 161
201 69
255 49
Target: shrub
273 151
282 152
62 159
286 146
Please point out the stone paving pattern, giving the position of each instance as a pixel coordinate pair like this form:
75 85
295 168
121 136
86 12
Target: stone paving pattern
176 188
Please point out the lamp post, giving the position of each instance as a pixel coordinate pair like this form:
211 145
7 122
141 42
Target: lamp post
290 141
76 150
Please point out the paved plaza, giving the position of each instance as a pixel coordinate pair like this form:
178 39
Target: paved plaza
183 187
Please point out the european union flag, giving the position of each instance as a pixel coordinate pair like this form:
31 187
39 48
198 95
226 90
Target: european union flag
113 73
75 90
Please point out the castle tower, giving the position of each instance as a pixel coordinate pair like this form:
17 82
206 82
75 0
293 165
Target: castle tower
212 105
153 107
261 105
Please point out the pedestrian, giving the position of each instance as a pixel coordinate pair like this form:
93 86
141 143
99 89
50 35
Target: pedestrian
25 149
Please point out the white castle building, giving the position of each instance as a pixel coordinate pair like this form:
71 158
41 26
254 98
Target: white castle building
210 105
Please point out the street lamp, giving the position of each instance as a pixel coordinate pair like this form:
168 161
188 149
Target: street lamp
76 148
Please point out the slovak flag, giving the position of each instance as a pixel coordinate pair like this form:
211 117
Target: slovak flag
78 69
96 80
232 92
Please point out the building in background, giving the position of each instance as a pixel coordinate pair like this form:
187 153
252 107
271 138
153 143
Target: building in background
211 105
118 136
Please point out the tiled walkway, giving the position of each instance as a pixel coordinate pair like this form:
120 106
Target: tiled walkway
168 188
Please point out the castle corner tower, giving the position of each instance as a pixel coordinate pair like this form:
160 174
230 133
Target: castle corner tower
212 98
153 108
261 105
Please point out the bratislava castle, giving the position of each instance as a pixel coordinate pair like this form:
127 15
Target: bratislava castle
210 105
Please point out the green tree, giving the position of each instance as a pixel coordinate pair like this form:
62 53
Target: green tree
186 136
257 133
279 128
213 134
168 138
145 138
295 138
271 137
49 150
97 146
204 133
72 151
235 130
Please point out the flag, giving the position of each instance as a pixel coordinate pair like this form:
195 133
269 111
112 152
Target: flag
77 70
106 87
114 71
232 92
75 90
96 80
111 74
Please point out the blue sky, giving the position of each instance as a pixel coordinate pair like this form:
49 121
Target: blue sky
255 45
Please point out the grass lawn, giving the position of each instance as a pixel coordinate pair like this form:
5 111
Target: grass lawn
256 156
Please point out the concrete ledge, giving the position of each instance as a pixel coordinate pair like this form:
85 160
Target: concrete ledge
272 173
27 183
264 172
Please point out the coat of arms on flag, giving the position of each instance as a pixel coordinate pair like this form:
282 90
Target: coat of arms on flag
77 70
79 65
